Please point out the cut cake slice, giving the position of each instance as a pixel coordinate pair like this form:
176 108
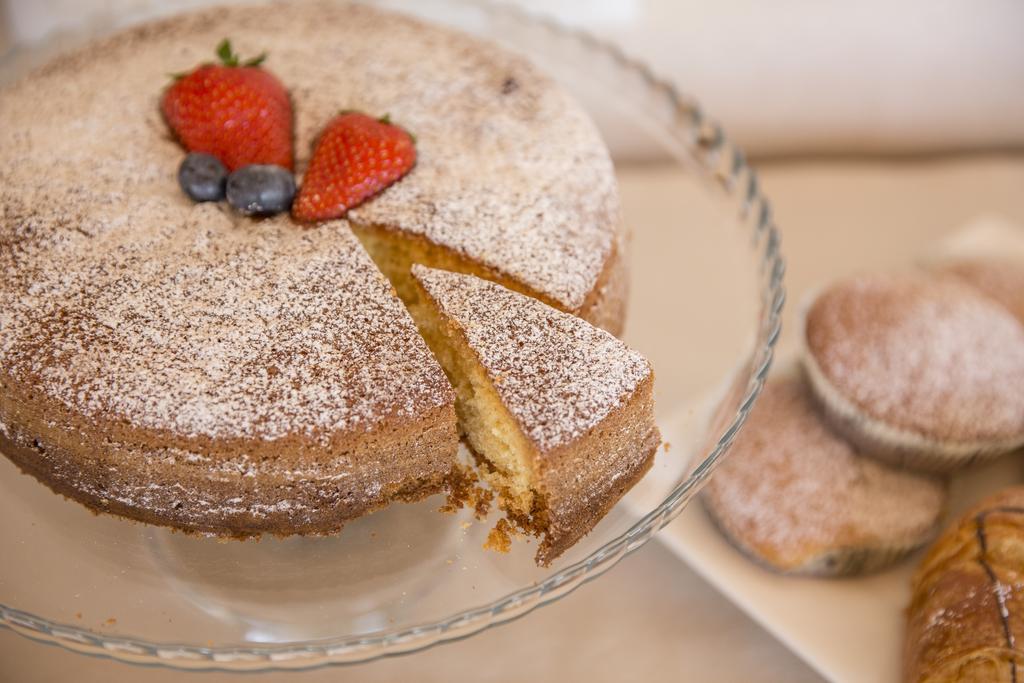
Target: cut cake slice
559 412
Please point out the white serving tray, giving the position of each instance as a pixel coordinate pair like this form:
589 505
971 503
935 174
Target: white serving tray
850 630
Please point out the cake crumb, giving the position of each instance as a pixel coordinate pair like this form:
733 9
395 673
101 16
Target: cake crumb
78 615
500 537
466 490
668 446
110 621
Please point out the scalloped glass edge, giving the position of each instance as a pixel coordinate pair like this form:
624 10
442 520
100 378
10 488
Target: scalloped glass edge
698 139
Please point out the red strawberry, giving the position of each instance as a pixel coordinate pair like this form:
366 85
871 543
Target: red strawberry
235 111
356 157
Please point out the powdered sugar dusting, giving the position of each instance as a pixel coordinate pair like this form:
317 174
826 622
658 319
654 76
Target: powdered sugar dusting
206 328
1000 280
558 375
510 173
791 489
922 353
119 295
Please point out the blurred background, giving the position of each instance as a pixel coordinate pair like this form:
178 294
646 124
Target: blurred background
879 127
790 77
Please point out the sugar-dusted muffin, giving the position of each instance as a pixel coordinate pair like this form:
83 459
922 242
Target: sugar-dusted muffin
965 622
918 369
561 412
1002 280
799 499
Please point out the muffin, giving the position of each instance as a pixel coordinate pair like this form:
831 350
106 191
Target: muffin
920 370
799 499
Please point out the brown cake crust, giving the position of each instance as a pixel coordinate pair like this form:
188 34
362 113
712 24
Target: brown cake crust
965 622
583 480
236 502
605 306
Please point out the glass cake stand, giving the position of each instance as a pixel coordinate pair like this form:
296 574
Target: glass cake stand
706 275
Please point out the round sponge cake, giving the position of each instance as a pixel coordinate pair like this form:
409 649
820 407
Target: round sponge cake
183 365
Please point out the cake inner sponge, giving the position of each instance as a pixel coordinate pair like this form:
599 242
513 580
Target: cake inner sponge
395 253
489 428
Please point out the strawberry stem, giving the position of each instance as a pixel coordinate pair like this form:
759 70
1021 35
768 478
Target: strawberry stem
227 56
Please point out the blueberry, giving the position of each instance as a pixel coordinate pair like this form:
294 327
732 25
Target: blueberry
261 189
202 177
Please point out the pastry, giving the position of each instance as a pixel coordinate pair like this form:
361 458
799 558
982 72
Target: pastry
799 499
182 364
966 616
560 412
1000 280
920 370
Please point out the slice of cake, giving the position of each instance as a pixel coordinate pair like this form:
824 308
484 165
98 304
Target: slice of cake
559 412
